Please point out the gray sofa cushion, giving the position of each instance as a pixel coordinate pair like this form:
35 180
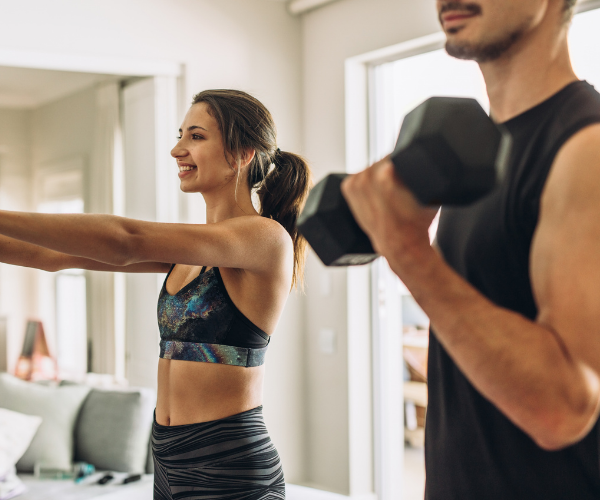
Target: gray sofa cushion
52 445
114 428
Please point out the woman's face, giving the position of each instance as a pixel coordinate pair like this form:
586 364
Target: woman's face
200 154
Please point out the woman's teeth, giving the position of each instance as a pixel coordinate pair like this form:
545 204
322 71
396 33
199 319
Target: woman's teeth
185 169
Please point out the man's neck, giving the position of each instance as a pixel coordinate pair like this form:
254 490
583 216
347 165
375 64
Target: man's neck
536 68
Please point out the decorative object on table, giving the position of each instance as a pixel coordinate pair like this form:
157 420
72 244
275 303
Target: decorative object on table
132 478
82 470
106 478
42 471
35 361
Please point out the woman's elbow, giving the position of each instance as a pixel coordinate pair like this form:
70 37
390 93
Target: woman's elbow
127 249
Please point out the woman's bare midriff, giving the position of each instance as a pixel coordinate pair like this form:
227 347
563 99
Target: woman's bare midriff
190 392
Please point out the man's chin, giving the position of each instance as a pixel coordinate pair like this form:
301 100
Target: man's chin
460 45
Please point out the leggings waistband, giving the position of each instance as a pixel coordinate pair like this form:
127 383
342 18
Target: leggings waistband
233 418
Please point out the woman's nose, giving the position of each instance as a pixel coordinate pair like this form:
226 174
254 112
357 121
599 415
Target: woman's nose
178 151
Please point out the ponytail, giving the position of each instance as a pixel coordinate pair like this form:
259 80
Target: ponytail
282 195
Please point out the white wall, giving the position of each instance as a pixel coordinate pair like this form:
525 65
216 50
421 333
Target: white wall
296 67
330 35
63 129
254 45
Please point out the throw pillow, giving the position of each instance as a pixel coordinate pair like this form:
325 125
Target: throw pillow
59 407
11 486
114 429
16 432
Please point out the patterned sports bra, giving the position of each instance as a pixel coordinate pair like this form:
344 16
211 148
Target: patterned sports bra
201 323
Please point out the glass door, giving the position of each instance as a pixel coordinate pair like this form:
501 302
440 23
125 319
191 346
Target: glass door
395 89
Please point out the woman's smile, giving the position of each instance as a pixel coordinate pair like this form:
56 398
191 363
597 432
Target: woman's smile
185 169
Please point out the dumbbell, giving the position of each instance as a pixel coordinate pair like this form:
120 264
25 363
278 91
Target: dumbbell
449 152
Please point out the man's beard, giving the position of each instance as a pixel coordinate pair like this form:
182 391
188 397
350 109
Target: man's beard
482 52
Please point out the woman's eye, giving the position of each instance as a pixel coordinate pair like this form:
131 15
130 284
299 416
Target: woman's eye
194 137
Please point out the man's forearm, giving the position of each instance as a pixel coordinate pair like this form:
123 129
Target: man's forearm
522 367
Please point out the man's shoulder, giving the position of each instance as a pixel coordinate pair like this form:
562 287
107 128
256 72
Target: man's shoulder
568 113
576 169
579 107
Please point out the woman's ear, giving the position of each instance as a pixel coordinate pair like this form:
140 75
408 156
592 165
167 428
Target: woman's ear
246 157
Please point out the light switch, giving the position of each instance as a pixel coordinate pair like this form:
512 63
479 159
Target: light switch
327 341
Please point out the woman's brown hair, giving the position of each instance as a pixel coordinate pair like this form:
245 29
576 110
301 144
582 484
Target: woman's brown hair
246 124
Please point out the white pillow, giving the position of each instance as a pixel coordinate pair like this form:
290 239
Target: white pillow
16 432
11 486
59 407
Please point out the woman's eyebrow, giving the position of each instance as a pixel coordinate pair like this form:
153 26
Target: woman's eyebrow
193 127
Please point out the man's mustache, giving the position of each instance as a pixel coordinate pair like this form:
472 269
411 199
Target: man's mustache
471 8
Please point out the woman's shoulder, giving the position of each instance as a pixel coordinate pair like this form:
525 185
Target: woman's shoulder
264 227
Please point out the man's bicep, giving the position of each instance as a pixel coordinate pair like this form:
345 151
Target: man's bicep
565 255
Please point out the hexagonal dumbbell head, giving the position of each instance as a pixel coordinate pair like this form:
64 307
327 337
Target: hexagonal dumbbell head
450 152
329 227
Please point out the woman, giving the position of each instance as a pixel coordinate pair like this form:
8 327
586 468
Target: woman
227 284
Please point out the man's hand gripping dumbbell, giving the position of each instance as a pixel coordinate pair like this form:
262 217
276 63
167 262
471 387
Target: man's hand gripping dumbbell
449 152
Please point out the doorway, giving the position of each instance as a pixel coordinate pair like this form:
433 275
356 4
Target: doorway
64 146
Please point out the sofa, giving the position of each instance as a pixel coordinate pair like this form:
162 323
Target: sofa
59 424
75 422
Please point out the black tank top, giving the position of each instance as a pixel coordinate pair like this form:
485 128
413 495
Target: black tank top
473 452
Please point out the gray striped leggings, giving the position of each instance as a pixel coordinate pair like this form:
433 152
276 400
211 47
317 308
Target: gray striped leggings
228 459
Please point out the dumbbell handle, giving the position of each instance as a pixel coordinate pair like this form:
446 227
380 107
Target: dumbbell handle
334 228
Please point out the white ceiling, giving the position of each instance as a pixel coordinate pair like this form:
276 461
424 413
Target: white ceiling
26 88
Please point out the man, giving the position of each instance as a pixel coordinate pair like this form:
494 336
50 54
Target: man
513 289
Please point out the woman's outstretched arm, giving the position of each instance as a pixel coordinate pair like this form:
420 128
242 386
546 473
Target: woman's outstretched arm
24 254
248 242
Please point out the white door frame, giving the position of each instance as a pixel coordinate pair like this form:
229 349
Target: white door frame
123 66
386 321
